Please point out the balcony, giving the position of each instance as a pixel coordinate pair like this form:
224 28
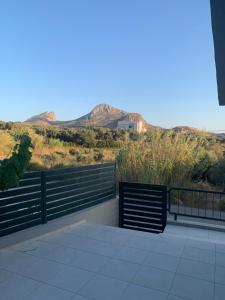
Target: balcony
82 254
93 261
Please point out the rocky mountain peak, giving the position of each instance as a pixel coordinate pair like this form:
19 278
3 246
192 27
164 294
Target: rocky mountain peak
104 108
102 115
43 117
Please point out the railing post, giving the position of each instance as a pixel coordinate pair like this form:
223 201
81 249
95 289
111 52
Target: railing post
115 180
120 204
43 198
164 204
169 199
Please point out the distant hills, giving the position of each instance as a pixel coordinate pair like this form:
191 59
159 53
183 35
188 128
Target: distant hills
105 115
102 115
46 117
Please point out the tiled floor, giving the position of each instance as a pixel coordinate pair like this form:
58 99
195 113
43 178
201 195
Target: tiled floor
105 263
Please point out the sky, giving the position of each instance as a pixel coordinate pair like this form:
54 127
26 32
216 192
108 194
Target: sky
154 57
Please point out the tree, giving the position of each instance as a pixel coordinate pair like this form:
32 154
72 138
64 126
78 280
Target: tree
13 168
88 138
216 174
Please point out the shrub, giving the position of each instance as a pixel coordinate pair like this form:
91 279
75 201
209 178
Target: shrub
221 204
54 143
203 166
13 168
99 156
216 174
73 152
164 159
81 158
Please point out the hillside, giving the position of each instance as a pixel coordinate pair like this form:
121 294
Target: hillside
45 117
103 115
157 156
107 116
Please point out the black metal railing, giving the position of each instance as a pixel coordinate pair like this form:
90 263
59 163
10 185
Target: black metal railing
196 203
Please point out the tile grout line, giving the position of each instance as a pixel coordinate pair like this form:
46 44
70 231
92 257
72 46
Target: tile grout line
141 264
214 286
130 248
38 281
94 274
131 283
179 260
119 259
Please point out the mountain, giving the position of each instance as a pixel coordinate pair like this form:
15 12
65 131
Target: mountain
45 117
102 115
105 115
187 129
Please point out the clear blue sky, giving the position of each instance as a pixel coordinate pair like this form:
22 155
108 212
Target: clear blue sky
154 57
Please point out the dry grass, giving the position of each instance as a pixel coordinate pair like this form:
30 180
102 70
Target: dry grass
159 157
164 159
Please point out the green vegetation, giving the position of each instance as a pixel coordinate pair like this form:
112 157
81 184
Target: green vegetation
13 168
164 158
161 157
58 147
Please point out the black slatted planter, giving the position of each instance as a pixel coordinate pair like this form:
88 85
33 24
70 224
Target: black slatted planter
143 206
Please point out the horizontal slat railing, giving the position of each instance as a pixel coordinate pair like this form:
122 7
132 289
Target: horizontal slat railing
19 199
19 191
63 186
78 172
81 169
46 195
76 208
20 207
78 205
143 206
79 188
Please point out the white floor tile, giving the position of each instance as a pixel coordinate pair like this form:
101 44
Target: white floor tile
17 287
196 269
103 288
162 261
71 279
135 292
47 292
122 270
192 288
154 278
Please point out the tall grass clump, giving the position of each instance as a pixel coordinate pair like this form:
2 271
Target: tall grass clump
162 158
